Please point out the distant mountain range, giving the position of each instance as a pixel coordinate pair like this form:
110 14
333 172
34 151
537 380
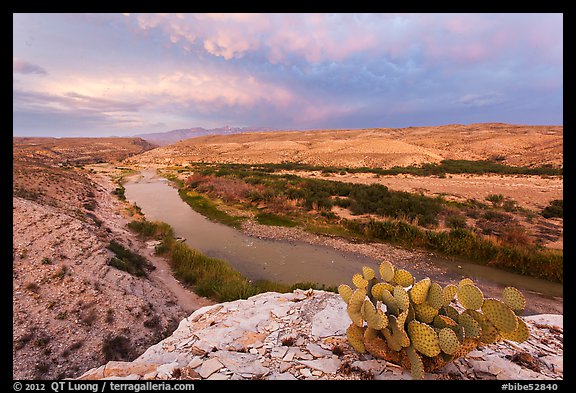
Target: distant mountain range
170 137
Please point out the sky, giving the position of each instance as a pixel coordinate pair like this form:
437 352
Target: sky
127 74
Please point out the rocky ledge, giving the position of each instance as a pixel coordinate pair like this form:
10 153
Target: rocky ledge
302 335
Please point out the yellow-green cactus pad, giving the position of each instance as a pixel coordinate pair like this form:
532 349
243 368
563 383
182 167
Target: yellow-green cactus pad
416 364
448 294
401 319
449 311
514 299
500 315
345 291
370 333
442 321
423 338
375 320
398 331
379 287
392 341
401 297
470 296
368 273
434 297
472 328
387 271
354 308
403 277
466 281
359 281
489 331
520 334
448 341
424 312
419 291
355 336
390 302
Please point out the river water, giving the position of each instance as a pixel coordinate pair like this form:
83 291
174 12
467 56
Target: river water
286 261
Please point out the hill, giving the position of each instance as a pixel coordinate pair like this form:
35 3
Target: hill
77 150
518 145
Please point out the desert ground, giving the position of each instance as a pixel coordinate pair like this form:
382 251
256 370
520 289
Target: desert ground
72 311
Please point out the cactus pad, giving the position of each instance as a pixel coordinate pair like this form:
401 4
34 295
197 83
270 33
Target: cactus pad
434 297
520 334
359 281
375 319
390 302
465 281
387 271
354 308
419 291
500 315
416 364
514 299
489 332
423 338
470 296
379 287
403 277
442 321
345 291
392 341
368 273
448 293
450 312
472 328
401 297
424 312
448 341
355 336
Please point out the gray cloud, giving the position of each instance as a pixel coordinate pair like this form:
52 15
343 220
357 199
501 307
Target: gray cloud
25 67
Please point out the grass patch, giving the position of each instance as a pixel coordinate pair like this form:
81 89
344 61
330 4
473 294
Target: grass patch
128 261
208 209
527 260
274 220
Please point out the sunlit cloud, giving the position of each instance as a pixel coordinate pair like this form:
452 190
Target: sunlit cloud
157 72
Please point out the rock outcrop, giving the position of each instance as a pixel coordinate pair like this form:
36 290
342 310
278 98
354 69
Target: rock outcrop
302 335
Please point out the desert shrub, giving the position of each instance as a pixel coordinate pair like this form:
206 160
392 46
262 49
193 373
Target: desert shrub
496 199
554 209
128 261
455 221
117 348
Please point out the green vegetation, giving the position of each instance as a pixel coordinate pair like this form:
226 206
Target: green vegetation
128 261
554 209
420 329
274 220
209 277
463 243
494 237
207 208
436 169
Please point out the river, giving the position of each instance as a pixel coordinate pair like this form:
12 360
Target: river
295 261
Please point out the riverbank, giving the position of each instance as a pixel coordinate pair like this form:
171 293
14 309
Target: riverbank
418 262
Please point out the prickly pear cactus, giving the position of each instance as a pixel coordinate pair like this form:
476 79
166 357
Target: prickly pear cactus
414 323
